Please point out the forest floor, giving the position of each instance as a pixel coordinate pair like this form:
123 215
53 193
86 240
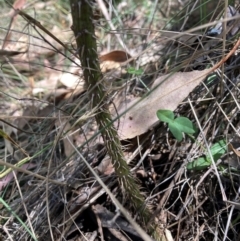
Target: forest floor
150 62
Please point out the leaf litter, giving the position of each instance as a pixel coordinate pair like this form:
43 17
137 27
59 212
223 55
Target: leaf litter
167 92
57 108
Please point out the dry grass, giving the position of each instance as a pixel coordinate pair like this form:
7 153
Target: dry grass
47 123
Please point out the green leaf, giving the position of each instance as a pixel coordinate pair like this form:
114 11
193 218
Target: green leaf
132 70
184 125
165 115
199 164
177 126
211 78
218 149
175 131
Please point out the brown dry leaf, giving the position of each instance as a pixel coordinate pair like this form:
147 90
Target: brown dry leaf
168 92
113 61
230 147
105 167
107 66
115 56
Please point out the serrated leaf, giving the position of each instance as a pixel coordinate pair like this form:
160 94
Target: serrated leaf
184 125
165 115
175 131
199 164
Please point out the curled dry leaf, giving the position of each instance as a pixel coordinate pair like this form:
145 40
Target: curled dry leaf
168 92
113 61
236 151
115 56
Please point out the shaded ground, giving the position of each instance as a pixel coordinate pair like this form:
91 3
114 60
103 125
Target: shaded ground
46 114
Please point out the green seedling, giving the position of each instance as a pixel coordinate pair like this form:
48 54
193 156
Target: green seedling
217 150
177 126
134 71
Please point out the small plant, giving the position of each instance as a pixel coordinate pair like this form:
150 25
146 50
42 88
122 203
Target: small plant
217 150
84 30
137 72
177 126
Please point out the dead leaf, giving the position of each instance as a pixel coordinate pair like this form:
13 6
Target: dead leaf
113 61
105 167
71 81
237 152
168 92
118 56
107 66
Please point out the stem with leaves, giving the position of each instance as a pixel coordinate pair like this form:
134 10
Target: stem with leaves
83 28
